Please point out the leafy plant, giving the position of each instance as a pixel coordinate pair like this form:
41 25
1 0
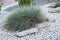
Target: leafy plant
1 5
25 2
48 0
57 5
0 8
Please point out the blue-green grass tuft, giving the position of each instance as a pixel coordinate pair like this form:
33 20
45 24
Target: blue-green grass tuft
24 18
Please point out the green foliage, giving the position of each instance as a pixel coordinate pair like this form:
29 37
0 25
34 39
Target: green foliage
25 2
1 5
57 5
24 18
0 8
48 0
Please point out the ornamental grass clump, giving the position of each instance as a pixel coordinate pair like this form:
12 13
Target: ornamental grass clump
25 18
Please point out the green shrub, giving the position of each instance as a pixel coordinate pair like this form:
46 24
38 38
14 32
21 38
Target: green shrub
24 18
1 3
57 5
25 2
0 8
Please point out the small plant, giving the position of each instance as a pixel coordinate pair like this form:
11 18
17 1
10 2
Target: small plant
24 18
48 0
1 5
0 8
25 2
57 5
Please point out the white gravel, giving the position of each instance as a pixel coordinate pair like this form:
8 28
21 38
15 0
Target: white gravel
51 32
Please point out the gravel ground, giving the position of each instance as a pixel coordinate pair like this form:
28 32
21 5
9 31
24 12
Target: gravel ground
51 32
